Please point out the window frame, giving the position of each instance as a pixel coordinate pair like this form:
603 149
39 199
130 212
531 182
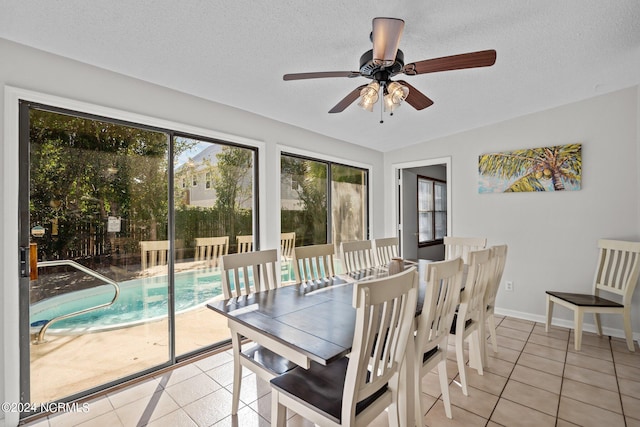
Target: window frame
434 241
328 161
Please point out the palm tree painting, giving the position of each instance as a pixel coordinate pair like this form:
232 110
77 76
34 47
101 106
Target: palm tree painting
555 168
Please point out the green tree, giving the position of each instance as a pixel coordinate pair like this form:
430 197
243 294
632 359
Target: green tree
83 170
559 164
310 177
233 183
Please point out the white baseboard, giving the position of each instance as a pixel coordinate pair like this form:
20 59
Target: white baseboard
565 323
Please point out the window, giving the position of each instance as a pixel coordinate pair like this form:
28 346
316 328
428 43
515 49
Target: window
432 211
322 201
207 183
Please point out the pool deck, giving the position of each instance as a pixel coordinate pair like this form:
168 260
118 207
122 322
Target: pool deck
68 364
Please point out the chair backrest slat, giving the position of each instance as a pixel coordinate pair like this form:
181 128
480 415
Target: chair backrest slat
386 249
618 268
313 262
249 272
461 246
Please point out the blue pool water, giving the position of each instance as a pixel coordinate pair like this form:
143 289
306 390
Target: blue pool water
140 300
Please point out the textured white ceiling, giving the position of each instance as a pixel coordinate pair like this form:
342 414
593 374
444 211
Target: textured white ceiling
549 53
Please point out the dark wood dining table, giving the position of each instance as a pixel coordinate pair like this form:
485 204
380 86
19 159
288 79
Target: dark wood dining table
313 321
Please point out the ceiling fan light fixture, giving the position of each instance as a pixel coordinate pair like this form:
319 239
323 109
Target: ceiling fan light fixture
396 94
386 36
369 96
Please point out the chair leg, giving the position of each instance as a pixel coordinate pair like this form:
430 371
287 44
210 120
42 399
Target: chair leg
278 411
444 388
392 413
628 333
596 318
460 359
417 386
237 372
492 330
549 313
475 351
578 315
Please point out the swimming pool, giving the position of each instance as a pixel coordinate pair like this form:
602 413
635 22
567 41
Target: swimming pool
140 301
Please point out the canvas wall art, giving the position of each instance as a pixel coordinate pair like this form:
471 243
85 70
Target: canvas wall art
556 168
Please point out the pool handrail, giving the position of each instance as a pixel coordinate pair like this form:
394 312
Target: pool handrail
88 271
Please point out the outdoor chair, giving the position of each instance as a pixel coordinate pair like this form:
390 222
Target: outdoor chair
210 249
616 273
155 253
354 390
245 243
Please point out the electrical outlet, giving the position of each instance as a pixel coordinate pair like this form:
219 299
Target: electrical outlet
508 286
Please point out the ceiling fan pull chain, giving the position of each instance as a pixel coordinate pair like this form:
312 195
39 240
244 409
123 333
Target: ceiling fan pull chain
382 102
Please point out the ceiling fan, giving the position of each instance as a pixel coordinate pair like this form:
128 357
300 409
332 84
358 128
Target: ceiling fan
385 61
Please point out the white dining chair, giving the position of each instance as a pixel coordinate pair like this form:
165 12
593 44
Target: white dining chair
313 262
354 390
616 274
468 320
499 256
244 274
357 255
442 294
461 246
287 243
386 249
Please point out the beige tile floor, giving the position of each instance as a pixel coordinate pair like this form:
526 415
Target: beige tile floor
535 379
68 364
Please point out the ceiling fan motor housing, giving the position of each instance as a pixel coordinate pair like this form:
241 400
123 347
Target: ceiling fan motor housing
371 70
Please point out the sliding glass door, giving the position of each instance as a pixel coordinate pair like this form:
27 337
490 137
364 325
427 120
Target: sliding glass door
95 200
121 231
214 192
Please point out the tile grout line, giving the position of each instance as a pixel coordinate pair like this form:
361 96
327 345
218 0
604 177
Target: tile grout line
510 373
564 367
615 373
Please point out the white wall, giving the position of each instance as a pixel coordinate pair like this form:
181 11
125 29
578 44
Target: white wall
37 71
551 236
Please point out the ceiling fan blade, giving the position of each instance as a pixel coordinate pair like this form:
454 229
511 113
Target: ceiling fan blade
347 100
320 75
386 39
483 58
416 99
